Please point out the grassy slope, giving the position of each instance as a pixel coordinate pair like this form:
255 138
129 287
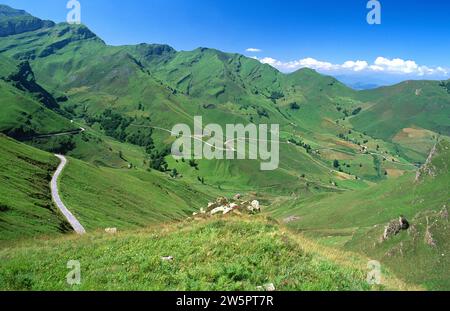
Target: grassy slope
26 207
171 87
423 104
103 197
100 197
420 105
355 220
17 109
231 254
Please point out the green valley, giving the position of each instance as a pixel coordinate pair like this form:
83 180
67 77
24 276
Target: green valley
351 162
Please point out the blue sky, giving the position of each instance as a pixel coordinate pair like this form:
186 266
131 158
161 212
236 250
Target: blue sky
331 36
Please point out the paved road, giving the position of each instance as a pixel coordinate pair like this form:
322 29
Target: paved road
56 198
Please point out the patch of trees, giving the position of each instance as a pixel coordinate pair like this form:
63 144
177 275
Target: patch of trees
193 164
262 113
119 127
21 133
158 160
294 106
62 145
4 208
275 95
114 124
307 147
174 173
356 111
445 85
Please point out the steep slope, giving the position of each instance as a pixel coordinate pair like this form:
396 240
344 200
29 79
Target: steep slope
421 104
26 207
138 84
26 109
130 198
205 257
356 220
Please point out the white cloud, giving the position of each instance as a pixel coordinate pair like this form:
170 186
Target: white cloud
253 50
380 65
355 66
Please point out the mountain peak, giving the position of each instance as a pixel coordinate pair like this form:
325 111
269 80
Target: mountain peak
9 11
13 21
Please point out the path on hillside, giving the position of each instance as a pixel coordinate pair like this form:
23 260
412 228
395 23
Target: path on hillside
73 132
57 199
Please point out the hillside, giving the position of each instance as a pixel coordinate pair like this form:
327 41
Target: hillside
408 114
356 220
14 21
156 86
348 166
424 104
26 109
131 198
218 254
26 207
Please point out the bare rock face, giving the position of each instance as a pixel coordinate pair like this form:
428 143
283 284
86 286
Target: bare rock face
394 227
429 240
427 169
444 213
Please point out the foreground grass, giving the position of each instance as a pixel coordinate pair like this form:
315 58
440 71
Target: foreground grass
218 254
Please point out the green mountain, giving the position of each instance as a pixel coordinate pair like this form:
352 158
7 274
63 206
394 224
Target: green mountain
27 110
347 161
13 22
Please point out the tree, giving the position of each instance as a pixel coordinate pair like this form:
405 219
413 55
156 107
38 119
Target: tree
294 106
336 164
174 173
356 111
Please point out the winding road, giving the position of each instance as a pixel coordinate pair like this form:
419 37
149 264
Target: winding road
57 199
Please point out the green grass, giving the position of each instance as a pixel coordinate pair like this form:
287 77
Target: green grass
18 110
171 87
360 217
130 198
411 104
26 207
347 209
218 254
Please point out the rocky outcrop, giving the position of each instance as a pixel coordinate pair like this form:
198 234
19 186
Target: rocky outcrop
24 80
394 227
429 240
427 169
225 206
